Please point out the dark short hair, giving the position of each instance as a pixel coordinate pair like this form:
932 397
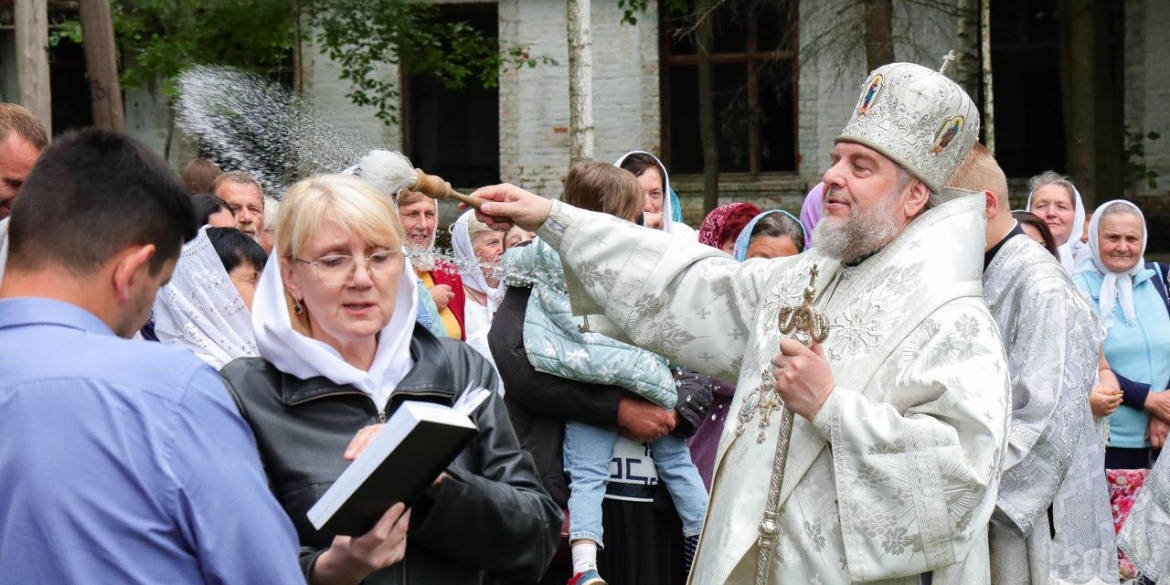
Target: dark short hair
236 248
779 225
208 205
25 124
1029 218
90 195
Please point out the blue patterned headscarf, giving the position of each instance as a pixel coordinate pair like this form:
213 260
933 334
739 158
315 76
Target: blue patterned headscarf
745 236
675 206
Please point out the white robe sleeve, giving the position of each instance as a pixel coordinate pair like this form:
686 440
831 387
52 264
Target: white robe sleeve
916 472
685 301
1145 537
1052 350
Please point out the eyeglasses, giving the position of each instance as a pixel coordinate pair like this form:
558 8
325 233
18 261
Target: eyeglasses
337 269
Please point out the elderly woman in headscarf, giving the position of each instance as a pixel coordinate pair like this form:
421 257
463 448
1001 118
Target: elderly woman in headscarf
721 227
1055 199
771 234
478 251
334 318
1130 297
657 210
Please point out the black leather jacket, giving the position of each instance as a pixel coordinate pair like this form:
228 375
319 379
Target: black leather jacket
491 522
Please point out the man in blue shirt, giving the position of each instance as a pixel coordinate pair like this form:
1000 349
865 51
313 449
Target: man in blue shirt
121 461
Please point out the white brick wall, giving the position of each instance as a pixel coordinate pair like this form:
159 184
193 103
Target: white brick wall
534 102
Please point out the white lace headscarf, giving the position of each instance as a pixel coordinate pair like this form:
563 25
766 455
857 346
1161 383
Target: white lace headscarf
1068 251
1116 287
470 266
201 309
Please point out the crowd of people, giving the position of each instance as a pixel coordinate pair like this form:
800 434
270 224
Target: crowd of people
907 383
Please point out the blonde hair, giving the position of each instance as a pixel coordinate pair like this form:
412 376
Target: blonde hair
271 210
350 202
603 187
980 172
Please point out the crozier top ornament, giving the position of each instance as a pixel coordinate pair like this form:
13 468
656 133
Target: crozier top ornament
916 117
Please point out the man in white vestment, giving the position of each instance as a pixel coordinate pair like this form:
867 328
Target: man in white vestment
900 414
1052 522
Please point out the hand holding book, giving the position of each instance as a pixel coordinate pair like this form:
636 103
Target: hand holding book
350 559
396 463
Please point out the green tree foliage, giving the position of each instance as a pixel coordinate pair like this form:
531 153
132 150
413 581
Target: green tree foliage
362 36
159 38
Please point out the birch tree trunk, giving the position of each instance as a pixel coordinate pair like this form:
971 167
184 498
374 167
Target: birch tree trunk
580 81
101 64
708 132
32 58
988 93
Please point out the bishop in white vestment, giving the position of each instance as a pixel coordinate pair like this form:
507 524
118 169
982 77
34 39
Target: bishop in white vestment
892 474
1054 462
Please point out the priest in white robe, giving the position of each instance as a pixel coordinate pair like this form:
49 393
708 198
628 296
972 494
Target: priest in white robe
1052 522
901 413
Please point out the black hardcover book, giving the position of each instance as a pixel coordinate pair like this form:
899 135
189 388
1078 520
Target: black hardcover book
418 442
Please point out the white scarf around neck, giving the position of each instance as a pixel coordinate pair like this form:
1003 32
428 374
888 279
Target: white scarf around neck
470 268
305 357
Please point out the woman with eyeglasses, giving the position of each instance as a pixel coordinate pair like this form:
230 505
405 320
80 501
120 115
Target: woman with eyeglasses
340 351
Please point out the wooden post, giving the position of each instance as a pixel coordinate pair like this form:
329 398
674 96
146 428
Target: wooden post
580 80
32 58
101 63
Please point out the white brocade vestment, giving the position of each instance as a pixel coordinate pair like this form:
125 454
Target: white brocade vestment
1145 537
1054 457
897 474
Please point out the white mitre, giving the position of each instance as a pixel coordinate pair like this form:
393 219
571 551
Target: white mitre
917 118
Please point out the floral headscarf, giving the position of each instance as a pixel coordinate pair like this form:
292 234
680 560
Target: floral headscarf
714 228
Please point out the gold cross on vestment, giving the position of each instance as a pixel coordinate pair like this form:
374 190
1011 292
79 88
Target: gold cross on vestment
803 323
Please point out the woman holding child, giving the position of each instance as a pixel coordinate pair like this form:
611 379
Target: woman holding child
339 350
572 391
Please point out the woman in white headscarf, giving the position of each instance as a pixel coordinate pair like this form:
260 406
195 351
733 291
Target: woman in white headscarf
334 317
478 251
655 181
1130 297
202 309
1055 199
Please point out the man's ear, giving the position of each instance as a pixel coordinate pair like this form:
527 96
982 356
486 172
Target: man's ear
916 199
127 267
991 205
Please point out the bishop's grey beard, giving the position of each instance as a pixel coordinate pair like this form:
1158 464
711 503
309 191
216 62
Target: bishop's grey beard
864 232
